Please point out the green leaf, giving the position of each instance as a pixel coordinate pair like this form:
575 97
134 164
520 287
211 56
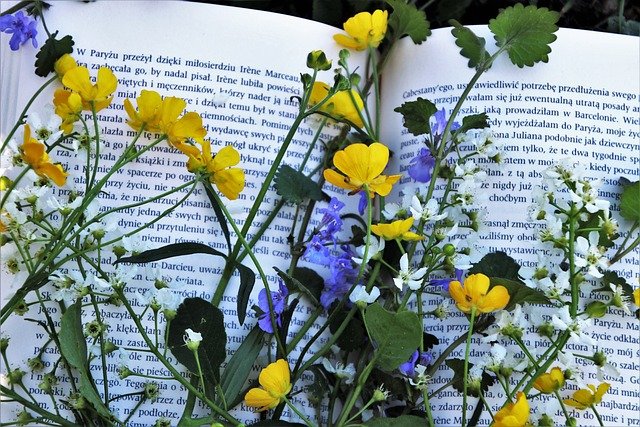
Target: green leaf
397 335
474 121
401 421
630 202
416 115
50 52
247 280
296 187
353 335
472 46
457 366
407 20
320 387
520 293
219 215
199 316
239 367
497 264
304 280
525 32
74 348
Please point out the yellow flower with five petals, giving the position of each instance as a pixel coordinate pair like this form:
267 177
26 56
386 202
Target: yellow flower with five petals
396 230
149 107
364 30
515 414
341 105
475 294
35 155
362 167
585 398
99 94
179 129
68 106
276 384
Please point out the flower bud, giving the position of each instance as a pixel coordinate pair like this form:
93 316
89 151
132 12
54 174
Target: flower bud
48 382
596 309
449 249
35 363
151 390
163 422
24 418
77 401
15 376
4 344
5 183
572 422
546 421
317 60
599 359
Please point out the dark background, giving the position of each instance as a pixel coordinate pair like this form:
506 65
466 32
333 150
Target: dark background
617 16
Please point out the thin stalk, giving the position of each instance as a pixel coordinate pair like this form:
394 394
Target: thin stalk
466 367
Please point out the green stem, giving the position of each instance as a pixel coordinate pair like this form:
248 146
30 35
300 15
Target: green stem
362 379
298 413
466 367
593 408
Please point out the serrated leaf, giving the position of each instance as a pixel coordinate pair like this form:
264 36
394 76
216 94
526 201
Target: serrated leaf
525 32
239 367
296 187
199 316
305 281
471 46
474 121
407 20
396 335
457 382
416 115
50 52
497 264
630 202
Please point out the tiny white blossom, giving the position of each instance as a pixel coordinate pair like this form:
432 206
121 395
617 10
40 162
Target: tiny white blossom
407 276
577 327
428 212
376 246
346 373
360 293
420 380
590 255
45 128
192 339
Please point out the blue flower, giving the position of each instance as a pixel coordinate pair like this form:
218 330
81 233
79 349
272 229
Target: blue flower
22 27
342 275
444 283
331 222
408 368
421 166
441 123
317 252
278 300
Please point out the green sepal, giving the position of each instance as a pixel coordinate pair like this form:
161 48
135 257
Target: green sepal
471 46
50 52
295 187
416 115
407 20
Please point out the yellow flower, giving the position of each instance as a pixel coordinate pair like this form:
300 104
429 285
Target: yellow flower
35 155
474 294
550 381
276 384
179 129
340 106
362 166
64 64
149 107
584 398
364 30
636 297
68 106
229 180
100 94
514 414
396 230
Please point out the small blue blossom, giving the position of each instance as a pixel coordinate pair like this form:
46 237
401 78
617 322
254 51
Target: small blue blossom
441 123
422 166
331 222
342 275
23 28
362 204
317 252
278 300
408 368
444 283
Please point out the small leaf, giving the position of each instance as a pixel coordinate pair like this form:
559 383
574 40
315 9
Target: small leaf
457 366
472 46
497 264
407 20
474 121
50 52
219 215
397 335
525 32
520 293
247 280
630 202
401 421
239 367
170 251
199 316
304 280
296 187
416 115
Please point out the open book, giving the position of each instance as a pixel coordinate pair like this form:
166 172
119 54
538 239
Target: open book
240 69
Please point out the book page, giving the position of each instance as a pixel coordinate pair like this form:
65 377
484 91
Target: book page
239 69
582 105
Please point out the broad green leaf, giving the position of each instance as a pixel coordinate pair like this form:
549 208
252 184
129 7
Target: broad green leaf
407 20
239 367
401 421
50 52
630 201
296 187
474 121
396 335
305 281
520 293
353 336
219 215
199 316
457 366
471 46
416 115
74 348
497 264
525 32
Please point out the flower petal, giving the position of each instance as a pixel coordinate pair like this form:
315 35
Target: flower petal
275 378
261 399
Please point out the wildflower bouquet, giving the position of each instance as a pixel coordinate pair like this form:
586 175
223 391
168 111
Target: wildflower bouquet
375 260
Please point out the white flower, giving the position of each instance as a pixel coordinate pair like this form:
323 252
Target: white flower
167 299
134 244
391 210
590 255
554 289
121 356
469 170
375 246
407 276
46 128
346 373
192 339
426 213
507 324
360 293
586 195
568 363
64 208
576 327
420 380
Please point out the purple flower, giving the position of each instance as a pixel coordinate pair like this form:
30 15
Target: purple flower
22 27
278 300
317 252
331 222
408 368
441 123
362 204
421 166
444 283
343 273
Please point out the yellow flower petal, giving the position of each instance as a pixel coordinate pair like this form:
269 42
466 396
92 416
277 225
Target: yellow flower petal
35 155
99 94
261 399
514 414
64 64
474 294
550 381
276 382
342 105
364 30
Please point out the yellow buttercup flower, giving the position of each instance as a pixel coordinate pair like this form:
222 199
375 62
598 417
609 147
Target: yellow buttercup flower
362 166
99 94
35 155
550 381
514 414
396 230
179 129
148 114
276 384
68 106
636 297
585 398
64 64
474 294
364 30
341 105
228 179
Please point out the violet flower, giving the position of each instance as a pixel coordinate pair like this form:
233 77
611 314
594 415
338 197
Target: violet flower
278 300
23 28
